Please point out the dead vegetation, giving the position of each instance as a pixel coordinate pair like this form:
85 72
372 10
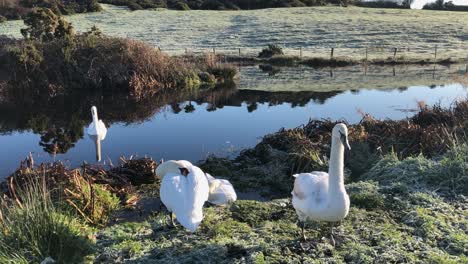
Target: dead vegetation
93 192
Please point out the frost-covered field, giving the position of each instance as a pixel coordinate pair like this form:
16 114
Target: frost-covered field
314 29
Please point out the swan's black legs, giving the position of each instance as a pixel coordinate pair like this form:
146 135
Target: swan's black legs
172 219
331 234
304 238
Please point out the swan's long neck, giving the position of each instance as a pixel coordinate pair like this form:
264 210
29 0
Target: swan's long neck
95 117
336 166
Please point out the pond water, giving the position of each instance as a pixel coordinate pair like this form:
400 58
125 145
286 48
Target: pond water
221 121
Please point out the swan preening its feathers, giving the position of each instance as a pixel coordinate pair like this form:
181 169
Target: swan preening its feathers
221 191
321 196
185 188
184 193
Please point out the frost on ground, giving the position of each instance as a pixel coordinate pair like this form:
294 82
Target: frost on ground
411 209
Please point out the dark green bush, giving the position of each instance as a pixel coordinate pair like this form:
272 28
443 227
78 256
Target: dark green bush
271 51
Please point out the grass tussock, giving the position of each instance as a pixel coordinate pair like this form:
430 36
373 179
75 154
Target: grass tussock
33 228
74 190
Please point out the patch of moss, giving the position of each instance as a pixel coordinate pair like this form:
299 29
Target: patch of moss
256 213
365 195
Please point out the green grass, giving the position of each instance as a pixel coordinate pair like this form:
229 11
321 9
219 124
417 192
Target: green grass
36 229
448 175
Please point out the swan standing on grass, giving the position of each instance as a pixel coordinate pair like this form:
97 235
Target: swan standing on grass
184 193
321 196
221 191
97 127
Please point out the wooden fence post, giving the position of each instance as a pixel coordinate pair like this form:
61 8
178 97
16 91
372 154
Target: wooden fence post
331 54
435 52
366 53
394 52
239 52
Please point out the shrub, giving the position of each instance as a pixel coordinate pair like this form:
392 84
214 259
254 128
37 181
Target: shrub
271 51
44 25
2 19
223 72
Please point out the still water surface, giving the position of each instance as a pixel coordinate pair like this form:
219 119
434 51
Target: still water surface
194 125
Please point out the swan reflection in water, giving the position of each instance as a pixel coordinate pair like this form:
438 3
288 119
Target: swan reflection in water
97 145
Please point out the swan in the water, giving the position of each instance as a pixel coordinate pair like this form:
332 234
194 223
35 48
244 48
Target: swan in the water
321 196
97 127
184 194
221 191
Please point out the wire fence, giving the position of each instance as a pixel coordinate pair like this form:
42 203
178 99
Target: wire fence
436 52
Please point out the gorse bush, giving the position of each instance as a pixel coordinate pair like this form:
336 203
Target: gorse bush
33 228
42 24
271 51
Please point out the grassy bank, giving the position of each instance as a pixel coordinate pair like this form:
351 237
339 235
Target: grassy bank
318 62
407 181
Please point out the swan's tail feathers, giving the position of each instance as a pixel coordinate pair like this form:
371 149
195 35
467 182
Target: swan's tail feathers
295 175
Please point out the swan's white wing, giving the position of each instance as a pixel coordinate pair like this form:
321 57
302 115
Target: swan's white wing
221 192
199 185
173 192
310 191
91 130
198 192
209 177
102 130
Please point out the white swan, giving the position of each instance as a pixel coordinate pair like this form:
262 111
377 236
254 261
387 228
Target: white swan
321 196
97 127
184 194
221 191
171 166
